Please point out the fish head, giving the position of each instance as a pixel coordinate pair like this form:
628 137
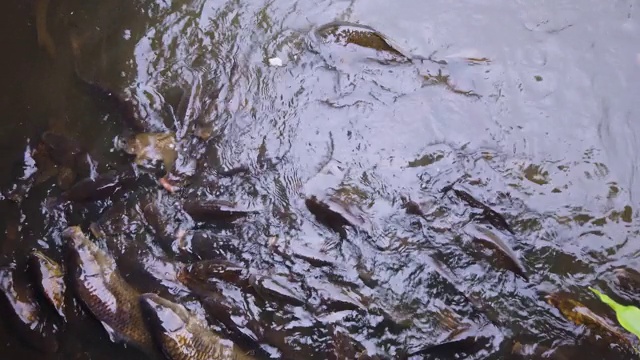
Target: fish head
164 314
86 257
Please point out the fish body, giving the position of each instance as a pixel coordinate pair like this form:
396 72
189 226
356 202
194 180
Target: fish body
50 280
26 317
105 293
100 187
181 336
214 210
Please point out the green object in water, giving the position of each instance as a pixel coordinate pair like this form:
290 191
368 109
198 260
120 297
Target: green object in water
628 316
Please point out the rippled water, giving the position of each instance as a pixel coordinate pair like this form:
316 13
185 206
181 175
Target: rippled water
541 125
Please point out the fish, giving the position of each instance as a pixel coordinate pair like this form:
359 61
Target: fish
27 318
100 187
628 279
101 288
364 37
502 256
44 37
49 277
62 149
206 270
332 215
207 210
343 346
115 103
165 220
490 215
579 314
182 336
269 288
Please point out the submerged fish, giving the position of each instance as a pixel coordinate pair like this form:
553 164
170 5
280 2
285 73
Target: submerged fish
27 318
490 215
208 210
502 256
100 187
216 269
581 315
332 215
115 103
49 277
101 288
181 336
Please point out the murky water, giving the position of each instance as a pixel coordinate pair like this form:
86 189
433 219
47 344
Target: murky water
529 107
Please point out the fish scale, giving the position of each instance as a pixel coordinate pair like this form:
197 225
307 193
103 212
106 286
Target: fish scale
183 337
106 294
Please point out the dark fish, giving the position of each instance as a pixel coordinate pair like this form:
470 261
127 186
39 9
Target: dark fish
234 171
25 315
204 245
113 221
411 207
501 255
164 219
101 288
628 279
330 215
466 342
207 270
204 210
49 277
237 324
490 215
100 187
116 103
62 149
181 336
538 351
271 290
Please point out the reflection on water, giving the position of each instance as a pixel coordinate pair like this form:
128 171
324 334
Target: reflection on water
328 171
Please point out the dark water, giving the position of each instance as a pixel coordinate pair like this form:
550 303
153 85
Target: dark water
538 120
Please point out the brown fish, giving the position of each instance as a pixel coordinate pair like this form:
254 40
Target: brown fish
581 315
363 37
628 279
153 147
181 336
490 215
101 288
332 215
206 270
49 277
26 317
272 289
115 103
62 149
